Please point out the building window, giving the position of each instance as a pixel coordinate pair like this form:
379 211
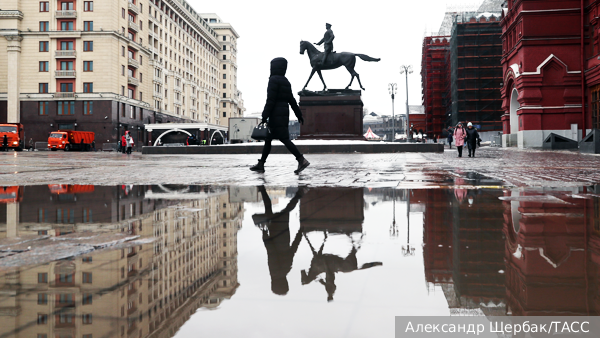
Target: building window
43 277
224 66
66 87
87 259
87 336
43 26
122 50
87 299
43 88
88 46
66 45
123 13
65 278
65 108
88 6
224 105
88 66
224 38
123 70
42 335
67 25
224 95
130 93
88 26
66 65
87 277
43 107
141 97
44 6
88 87
67 6
86 318
224 86
224 76
141 77
224 57
596 107
42 319
42 298
132 112
43 46
224 114
43 66
224 47
123 92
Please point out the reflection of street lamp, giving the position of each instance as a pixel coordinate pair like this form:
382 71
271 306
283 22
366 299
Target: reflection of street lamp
408 250
392 87
407 69
393 228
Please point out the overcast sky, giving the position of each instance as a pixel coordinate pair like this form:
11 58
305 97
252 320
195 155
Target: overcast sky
390 30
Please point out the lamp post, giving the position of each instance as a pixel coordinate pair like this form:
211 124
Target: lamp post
407 69
392 87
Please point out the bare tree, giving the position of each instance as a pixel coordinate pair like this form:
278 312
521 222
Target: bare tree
365 111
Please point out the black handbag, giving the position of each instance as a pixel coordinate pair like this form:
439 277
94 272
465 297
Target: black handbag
260 132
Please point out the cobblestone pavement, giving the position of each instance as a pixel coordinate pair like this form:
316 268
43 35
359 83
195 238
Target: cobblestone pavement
502 167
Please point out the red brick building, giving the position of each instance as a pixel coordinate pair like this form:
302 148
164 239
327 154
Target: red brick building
546 45
434 82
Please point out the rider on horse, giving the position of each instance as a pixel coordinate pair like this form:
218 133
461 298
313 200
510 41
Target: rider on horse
328 40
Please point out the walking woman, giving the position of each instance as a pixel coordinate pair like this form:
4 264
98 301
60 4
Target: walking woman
459 138
450 139
472 139
277 115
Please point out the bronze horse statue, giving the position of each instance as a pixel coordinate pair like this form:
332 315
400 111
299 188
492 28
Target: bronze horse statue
334 60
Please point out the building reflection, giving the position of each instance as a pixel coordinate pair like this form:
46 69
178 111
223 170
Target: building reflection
123 291
522 253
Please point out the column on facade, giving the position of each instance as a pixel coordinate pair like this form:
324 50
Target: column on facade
14 85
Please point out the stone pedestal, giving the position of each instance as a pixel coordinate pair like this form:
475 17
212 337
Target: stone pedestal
336 114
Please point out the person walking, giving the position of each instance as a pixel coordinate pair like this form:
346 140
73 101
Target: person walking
5 143
31 144
472 139
129 142
459 138
276 115
450 139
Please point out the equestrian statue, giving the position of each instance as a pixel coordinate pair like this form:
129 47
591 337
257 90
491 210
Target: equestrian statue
331 60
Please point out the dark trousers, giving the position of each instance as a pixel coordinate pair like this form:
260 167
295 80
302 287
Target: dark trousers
471 150
459 150
450 144
288 144
128 150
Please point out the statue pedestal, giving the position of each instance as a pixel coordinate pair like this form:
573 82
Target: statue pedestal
336 114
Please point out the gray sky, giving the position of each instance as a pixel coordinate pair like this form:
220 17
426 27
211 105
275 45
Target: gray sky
390 30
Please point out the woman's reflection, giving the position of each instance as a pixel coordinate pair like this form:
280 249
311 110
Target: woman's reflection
276 236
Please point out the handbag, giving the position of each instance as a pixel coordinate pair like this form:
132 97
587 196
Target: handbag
260 132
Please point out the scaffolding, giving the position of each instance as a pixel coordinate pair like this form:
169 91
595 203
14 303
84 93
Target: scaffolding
475 71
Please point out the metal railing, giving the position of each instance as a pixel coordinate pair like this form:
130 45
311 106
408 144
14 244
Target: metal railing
65 53
64 95
64 73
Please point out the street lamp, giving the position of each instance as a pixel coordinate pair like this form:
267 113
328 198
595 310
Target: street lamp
392 87
407 69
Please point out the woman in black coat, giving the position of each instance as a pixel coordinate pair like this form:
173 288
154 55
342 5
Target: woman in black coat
472 138
277 115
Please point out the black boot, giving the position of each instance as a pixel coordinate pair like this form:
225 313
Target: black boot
260 166
302 164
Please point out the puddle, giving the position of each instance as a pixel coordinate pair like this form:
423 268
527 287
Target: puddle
233 261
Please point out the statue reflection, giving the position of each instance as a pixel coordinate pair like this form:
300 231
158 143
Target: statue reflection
276 237
332 211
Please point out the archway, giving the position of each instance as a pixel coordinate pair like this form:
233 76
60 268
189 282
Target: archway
219 139
514 106
170 131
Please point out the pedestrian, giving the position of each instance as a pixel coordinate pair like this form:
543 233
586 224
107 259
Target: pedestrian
124 142
276 115
31 144
129 142
472 139
450 139
459 138
5 143
94 145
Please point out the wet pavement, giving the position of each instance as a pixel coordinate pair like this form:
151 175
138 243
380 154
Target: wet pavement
110 245
288 261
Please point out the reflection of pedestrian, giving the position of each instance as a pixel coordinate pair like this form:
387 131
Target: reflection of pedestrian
276 237
472 139
459 138
277 115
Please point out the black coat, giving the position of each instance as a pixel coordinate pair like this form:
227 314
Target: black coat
279 96
472 137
